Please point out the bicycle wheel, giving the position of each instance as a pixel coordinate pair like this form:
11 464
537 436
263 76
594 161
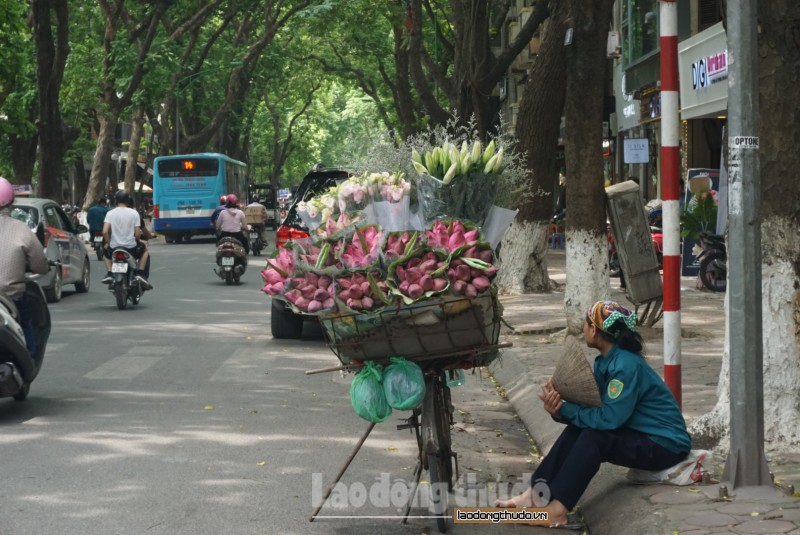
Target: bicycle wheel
439 487
435 444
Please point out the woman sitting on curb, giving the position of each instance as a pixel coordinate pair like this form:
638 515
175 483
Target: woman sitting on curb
638 425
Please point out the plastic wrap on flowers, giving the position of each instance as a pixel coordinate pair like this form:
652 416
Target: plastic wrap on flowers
391 195
451 236
319 256
310 293
367 396
340 226
399 244
417 278
479 196
362 249
393 215
361 292
354 194
472 273
437 199
403 384
280 267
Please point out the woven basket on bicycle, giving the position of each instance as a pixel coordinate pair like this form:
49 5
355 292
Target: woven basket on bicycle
446 326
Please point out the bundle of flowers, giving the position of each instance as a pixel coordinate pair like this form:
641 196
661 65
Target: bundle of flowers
279 267
389 186
360 291
458 183
318 256
417 277
473 272
451 235
334 227
319 208
354 193
362 249
311 292
400 244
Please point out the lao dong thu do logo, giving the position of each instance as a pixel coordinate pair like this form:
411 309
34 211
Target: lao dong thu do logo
709 70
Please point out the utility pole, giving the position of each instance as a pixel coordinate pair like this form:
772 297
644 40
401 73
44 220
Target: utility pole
746 465
670 195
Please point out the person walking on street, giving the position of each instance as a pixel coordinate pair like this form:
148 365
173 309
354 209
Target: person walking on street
121 230
638 424
231 222
20 251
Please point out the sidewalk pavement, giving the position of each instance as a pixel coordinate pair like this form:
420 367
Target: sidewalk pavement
611 504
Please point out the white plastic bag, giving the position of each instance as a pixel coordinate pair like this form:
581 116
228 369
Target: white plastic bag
687 472
497 222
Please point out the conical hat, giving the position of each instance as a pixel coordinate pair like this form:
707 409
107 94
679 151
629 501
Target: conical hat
573 377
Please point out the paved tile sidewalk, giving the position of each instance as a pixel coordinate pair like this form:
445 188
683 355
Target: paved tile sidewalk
611 504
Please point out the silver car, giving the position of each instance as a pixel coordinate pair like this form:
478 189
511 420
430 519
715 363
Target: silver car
61 244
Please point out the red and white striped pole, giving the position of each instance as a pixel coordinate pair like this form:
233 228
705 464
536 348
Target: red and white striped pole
670 195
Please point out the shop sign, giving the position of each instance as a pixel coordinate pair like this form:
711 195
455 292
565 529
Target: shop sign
651 105
636 150
710 70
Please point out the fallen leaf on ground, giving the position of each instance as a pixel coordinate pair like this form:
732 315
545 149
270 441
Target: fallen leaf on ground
262 463
391 448
208 408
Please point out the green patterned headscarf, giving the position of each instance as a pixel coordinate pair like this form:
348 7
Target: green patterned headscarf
603 314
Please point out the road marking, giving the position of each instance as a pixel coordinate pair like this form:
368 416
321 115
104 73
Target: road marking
151 350
122 368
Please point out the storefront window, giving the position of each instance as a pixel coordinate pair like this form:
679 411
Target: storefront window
639 30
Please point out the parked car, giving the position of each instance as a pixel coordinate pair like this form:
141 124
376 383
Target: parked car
61 243
284 322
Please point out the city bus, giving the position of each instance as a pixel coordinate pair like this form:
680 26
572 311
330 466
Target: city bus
187 189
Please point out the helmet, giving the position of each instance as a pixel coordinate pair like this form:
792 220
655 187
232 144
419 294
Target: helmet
102 200
232 200
122 197
223 199
254 197
6 192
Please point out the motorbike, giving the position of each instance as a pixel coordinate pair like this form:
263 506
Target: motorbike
125 286
256 243
713 260
97 244
231 260
18 368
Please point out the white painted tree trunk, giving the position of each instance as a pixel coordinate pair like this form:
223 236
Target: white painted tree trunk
523 257
587 276
780 307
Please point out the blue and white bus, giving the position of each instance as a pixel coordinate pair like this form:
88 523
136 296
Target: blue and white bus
186 191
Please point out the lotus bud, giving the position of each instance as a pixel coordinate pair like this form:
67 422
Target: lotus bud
471 235
455 241
421 169
355 304
321 294
426 282
355 292
470 291
344 283
413 274
314 306
491 271
459 286
400 273
367 303
328 303
462 273
428 265
344 295
403 287
302 303
308 292
481 284
324 281
365 288
439 284
415 291
488 153
451 274
414 262
486 255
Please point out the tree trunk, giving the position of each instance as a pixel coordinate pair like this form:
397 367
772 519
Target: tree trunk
51 56
587 263
101 163
23 158
780 283
538 128
132 166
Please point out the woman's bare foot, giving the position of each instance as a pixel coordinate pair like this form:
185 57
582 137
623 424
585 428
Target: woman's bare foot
556 513
523 500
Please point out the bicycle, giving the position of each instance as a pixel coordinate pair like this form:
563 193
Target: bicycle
466 337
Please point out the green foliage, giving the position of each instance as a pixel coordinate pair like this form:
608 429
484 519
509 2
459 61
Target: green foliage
700 215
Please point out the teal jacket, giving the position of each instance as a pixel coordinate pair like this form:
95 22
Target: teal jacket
634 396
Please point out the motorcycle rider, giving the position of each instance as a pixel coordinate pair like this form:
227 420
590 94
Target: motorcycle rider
121 230
232 223
20 250
96 215
256 216
218 210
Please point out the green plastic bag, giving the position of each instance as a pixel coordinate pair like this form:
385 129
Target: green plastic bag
366 394
403 384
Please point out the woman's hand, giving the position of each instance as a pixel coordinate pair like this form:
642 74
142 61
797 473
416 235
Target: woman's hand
551 399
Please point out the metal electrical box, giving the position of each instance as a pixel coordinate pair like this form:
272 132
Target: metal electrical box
637 257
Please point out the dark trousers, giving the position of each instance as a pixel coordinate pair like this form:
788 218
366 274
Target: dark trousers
26 322
577 454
